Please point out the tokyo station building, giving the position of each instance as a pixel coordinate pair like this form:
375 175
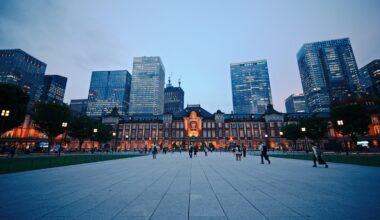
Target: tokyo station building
196 125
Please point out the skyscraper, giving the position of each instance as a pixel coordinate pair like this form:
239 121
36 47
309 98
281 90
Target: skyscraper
147 93
78 106
54 89
251 92
328 73
370 77
109 89
174 98
19 68
295 103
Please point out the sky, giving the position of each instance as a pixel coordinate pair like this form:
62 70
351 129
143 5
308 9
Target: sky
197 40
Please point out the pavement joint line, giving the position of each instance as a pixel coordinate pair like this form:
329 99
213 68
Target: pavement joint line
134 199
118 172
166 192
229 183
269 195
188 207
212 188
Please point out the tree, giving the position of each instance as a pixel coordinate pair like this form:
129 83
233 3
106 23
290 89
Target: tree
13 106
104 133
316 128
354 118
292 132
81 128
49 117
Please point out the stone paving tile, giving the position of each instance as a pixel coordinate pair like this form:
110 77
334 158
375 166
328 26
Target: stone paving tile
176 187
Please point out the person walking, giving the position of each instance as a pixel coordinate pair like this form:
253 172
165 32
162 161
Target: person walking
318 156
191 150
154 151
244 150
195 150
264 153
205 149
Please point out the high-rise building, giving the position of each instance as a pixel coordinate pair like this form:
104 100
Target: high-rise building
251 91
328 73
54 89
19 68
109 89
147 93
174 98
295 103
370 77
78 106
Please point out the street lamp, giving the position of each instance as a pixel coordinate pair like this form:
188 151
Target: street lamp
114 140
341 123
93 139
64 126
303 129
266 140
126 138
5 113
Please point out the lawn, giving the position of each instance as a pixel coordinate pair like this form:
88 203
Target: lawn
365 160
34 163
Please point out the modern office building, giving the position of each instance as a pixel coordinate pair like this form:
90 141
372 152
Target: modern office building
109 89
174 98
78 106
19 68
54 89
328 73
295 103
370 77
147 93
251 91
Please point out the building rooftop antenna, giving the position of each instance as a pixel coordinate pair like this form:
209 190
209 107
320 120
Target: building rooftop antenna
179 81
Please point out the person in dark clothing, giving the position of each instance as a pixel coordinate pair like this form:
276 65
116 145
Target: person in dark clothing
244 150
264 153
154 151
205 149
195 150
191 150
318 156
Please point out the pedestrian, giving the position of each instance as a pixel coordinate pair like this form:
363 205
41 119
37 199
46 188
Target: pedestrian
244 150
12 151
145 149
318 156
191 150
60 148
154 151
195 150
264 153
205 149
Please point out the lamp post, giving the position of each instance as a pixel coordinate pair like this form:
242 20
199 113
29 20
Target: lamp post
340 124
93 139
303 129
281 133
266 140
126 144
64 126
114 140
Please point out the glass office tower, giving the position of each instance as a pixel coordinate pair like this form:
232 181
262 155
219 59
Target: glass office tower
295 103
19 68
54 89
174 99
251 92
109 89
328 73
147 93
370 77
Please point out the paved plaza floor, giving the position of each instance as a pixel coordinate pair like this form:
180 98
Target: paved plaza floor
176 187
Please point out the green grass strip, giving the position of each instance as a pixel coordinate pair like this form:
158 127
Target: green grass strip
34 163
365 160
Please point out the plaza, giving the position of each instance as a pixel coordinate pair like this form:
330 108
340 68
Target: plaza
173 186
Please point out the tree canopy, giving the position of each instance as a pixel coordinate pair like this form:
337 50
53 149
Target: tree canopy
81 128
14 101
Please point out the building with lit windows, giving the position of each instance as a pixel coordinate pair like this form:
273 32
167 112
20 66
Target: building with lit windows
54 89
328 73
174 98
295 103
147 92
251 91
108 89
19 68
78 106
370 77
